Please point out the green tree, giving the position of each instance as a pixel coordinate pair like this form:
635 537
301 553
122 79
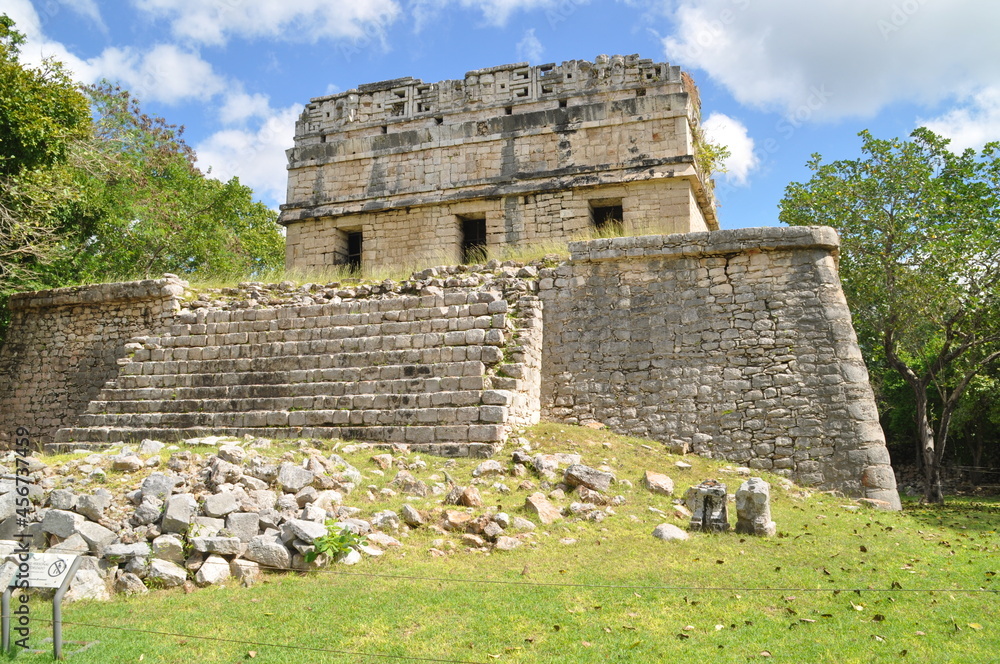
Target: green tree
145 208
920 228
42 114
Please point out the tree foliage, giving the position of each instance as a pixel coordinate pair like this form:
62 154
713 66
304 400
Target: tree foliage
920 232
92 189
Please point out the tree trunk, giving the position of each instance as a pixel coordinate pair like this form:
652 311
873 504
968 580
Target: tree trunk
925 435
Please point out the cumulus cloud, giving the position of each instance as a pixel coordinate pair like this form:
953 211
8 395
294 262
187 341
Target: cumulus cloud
529 48
724 130
971 125
837 59
215 21
256 155
165 73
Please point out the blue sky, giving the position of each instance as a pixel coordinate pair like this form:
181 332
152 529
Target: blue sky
779 79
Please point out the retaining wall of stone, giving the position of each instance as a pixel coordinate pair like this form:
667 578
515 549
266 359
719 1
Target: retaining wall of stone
65 343
734 344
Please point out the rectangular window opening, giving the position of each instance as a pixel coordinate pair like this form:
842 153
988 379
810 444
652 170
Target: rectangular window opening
563 103
509 110
473 228
608 217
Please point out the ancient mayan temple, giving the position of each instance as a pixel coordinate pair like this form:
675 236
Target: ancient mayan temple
407 172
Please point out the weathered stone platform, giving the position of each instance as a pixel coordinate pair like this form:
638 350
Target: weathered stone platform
735 344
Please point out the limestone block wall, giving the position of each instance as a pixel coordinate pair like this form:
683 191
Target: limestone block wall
737 344
528 149
431 234
65 343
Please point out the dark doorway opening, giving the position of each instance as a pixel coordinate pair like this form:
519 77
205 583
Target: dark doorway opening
608 217
473 238
354 248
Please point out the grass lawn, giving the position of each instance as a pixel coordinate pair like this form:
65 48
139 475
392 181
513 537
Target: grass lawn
835 585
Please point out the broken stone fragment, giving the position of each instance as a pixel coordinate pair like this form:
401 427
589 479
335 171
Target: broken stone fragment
293 478
165 574
411 516
539 505
579 474
213 571
658 483
669 533
470 497
269 552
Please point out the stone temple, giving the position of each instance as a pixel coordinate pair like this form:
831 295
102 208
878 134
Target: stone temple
734 344
404 172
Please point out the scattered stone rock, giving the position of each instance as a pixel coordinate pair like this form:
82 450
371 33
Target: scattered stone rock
226 546
130 584
487 468
292 478
165 574
669 533
591 478
168 547
60 499
520 523
213 571
179 511
243 525
470 497
658 483
61 523
158 486
411 516
539 505
149 447
127 463
269 552
220 504
387 520
247 572
456 520
505 543
87 584
307 531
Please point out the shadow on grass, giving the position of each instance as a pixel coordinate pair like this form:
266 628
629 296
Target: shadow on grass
959 513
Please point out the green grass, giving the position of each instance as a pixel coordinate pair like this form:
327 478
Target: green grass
615 595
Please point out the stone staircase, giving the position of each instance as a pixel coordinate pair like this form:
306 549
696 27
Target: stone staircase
452 373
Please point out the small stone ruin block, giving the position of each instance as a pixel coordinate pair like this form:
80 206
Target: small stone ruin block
707 502
753 508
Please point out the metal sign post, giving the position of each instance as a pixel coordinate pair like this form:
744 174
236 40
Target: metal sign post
40 570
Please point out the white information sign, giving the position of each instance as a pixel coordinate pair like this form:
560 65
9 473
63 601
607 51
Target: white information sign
46 570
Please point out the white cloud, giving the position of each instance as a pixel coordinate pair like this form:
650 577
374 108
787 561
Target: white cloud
238 107
826 60
165 73
972 125
214 21
724 130
255 155
529 48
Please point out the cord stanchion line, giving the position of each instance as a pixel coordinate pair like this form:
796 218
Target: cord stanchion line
286 646
611 586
